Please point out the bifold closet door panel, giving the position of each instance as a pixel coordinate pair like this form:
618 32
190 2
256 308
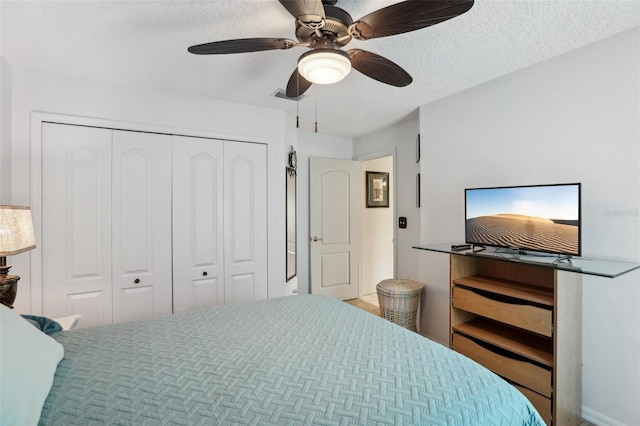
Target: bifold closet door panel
245 221
198 232
141 225
76 223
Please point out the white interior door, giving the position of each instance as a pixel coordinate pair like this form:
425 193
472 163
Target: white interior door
333 225
245 222
198 249
76 223
141 225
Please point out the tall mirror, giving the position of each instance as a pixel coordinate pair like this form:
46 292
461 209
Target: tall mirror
291 215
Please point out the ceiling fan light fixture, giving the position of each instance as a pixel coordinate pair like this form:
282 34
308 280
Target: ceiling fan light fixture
324 66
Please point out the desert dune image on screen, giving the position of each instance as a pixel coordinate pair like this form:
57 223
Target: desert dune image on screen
540 218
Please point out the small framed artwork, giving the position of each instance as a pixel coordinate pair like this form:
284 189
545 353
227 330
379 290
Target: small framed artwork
377 189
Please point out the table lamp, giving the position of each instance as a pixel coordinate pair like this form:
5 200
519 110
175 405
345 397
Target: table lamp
16 236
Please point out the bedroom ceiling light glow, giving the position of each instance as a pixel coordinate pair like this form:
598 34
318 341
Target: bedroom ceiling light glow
324 66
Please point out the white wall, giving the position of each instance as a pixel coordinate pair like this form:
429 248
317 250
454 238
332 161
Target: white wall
313 145
574 118
40 92
377 229
5 131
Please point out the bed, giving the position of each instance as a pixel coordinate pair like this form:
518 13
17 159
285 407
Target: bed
290 360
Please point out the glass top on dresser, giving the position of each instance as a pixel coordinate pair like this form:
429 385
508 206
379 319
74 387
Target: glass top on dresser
582 265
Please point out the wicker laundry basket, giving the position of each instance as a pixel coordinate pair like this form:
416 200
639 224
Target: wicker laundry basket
399 301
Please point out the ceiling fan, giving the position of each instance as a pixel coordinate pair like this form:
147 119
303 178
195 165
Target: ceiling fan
325 29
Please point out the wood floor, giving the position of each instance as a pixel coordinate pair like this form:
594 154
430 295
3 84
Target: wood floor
366 306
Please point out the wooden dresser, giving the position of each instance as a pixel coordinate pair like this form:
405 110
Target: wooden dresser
524 323
521 317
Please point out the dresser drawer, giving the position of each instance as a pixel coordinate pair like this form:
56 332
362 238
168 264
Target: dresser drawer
528 317
523 373
539 402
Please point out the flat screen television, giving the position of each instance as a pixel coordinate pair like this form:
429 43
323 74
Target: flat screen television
540 218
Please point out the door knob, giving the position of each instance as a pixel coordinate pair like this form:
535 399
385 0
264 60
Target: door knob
316 239
137 281
204 274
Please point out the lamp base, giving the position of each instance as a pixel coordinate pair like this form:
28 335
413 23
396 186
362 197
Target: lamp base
8 287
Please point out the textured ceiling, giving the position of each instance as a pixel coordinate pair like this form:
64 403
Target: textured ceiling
143 44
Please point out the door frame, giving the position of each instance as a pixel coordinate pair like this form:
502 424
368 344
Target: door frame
390 152
275 196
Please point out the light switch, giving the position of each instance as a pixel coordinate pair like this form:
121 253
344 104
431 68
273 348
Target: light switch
402 222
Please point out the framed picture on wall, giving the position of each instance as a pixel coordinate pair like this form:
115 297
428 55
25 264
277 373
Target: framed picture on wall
377 189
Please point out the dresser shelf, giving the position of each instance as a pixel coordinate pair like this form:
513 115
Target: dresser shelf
533 347
529 293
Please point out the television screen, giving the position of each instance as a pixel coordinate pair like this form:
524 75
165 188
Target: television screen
543 218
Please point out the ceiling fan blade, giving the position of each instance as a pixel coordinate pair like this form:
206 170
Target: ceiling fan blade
407 16
243 45
297 85
379 68
306 11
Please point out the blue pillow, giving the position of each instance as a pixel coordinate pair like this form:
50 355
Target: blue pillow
46 325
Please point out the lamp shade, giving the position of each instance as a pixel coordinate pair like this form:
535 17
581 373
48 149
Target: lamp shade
16 230
324 66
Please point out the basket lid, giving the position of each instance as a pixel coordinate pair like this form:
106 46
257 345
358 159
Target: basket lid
399 287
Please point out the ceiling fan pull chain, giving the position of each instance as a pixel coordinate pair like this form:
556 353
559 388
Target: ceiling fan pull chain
316 113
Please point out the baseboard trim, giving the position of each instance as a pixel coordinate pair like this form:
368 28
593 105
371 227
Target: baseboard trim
598 419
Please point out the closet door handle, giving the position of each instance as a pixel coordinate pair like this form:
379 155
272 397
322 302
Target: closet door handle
316 239
204 274
137 281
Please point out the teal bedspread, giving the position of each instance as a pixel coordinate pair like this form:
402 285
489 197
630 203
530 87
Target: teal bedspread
291 360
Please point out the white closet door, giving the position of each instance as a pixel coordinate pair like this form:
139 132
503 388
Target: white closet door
198 246
141 225
245 221
76 223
